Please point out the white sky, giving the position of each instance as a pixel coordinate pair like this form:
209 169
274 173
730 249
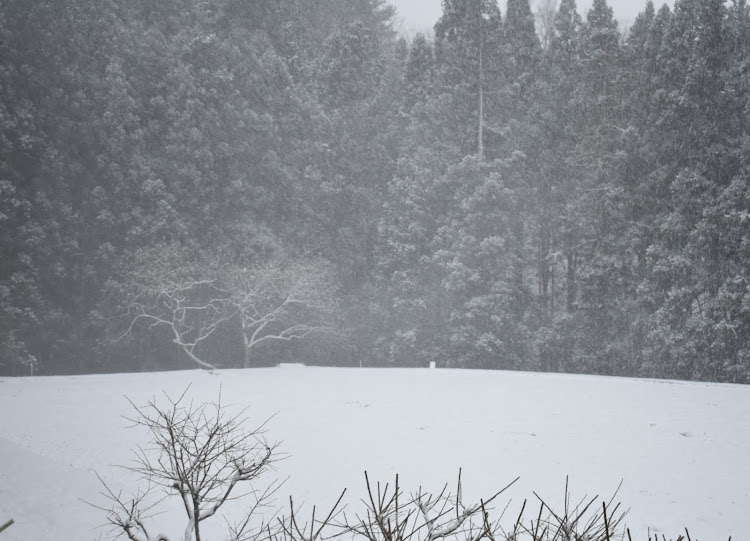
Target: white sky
422 14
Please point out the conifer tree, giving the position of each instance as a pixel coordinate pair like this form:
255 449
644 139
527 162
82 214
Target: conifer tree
468 51
420 71
559 113
597 275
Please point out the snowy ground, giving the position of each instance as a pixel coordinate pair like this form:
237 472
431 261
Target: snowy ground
681 449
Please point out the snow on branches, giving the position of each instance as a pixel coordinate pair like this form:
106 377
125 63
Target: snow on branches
278 299
200 454
282 300
424 516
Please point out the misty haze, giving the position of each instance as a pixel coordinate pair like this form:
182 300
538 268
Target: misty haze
514 245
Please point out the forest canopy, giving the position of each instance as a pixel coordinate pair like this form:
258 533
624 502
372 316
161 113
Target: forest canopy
515 190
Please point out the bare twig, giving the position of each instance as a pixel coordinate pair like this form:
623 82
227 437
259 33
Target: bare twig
200 453
6 525
291 530
283 300
425 517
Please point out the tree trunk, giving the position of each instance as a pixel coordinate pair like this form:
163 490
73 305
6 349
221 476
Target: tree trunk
570 281
480 146
196 519
544 266
193 357
518 266
246 342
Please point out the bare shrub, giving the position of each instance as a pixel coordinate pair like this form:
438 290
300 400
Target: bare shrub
390 516
201 454
588 520
205 456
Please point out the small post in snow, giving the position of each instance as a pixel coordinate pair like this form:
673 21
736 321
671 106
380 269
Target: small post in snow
6 525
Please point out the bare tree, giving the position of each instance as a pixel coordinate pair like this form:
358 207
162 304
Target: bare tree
190 309
201 454
282 300
545 13
164 291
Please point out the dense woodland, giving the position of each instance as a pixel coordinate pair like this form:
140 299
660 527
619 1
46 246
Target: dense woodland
188 181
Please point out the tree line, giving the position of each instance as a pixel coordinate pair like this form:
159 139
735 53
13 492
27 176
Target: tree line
516 192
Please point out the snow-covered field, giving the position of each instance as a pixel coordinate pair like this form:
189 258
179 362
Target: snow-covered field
681 449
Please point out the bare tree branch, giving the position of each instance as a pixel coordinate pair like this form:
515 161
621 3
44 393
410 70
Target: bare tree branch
6 525
291 530
283 300
163 292
424 517
200 453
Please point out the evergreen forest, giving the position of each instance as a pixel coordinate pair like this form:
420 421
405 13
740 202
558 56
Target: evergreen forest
237 183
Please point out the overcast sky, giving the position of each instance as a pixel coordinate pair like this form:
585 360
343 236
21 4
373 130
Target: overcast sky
422 14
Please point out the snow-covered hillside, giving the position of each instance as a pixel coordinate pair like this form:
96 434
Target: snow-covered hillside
681 449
